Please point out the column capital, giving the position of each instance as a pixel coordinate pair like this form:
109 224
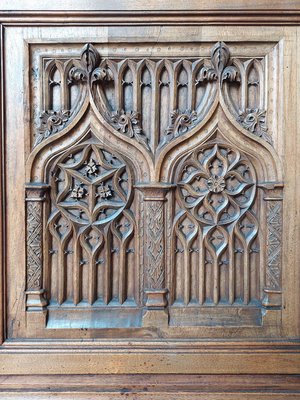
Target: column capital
155 191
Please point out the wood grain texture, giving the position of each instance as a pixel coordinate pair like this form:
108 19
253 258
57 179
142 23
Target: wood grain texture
151 386
154 12
167 98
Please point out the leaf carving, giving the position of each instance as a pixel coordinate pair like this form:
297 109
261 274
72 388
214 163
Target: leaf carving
51 122
129 124
254 120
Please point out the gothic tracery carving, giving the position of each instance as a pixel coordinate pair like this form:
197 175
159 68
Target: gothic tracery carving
154 101
216 187
202 243
90 221
217 184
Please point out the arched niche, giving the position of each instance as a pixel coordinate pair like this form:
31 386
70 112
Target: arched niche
86 123
220 124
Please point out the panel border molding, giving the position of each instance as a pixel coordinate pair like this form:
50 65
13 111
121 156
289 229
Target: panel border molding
170 357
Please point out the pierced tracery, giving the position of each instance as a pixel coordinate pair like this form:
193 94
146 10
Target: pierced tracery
192 238
89 222
216 185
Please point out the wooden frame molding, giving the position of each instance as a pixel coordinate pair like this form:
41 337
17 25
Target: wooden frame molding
258 361
152 387
215 12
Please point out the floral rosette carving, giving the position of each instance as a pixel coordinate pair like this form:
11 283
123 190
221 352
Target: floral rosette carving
181 122
51 122
129 124
217 184
92 185
254 120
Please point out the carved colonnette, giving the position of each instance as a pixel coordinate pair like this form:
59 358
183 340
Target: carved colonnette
155 279
273 278
35 196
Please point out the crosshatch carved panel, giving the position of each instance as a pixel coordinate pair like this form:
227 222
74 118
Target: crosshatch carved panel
154 194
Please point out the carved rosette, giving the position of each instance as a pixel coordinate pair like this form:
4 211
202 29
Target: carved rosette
217 185
35 195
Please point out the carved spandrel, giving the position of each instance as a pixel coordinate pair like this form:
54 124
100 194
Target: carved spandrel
154 101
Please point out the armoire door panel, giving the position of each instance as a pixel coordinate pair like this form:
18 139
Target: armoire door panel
153 189
149 197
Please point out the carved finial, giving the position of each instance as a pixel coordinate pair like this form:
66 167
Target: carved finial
220 56
88 69
220 68
90 58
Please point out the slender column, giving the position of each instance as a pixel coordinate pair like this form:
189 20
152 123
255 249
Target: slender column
35 195
155 291
272 288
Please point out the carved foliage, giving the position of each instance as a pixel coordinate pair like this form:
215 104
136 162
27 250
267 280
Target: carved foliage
129 124
51 122
180 123
154 101
87 69
220 67
254 120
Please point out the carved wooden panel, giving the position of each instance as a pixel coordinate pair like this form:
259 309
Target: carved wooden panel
154 195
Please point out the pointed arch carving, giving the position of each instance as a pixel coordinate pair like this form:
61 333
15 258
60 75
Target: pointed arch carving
149 184
228 183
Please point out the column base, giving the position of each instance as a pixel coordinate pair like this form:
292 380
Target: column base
272 298
35 300
156 298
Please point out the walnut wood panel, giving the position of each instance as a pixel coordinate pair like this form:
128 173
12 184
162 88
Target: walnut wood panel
151 198
208 261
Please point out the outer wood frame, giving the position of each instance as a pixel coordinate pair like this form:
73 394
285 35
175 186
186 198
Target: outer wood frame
281 357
